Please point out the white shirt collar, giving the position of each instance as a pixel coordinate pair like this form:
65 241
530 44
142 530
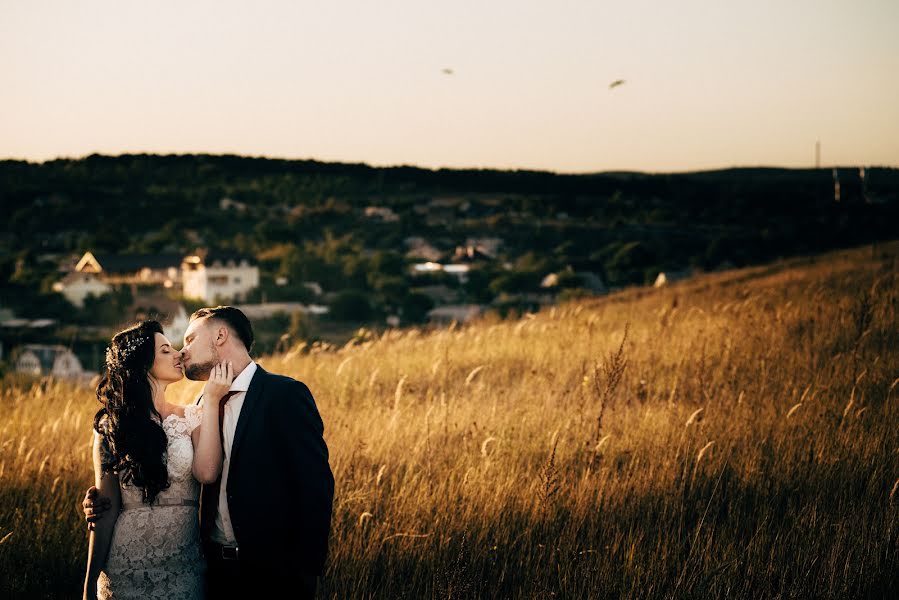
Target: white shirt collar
241 383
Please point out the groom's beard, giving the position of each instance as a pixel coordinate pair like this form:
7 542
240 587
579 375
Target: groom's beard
201 371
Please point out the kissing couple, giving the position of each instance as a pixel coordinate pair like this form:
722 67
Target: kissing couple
229 497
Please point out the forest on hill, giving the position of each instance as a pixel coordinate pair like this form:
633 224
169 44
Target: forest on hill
348 227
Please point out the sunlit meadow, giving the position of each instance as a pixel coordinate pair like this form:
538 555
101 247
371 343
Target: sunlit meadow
732 436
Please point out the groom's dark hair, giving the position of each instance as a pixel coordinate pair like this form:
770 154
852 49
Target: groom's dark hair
233 318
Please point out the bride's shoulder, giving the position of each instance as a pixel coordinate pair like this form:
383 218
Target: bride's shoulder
177 410
182 419
191 409
193 414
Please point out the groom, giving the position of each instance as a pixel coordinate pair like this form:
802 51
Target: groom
265 524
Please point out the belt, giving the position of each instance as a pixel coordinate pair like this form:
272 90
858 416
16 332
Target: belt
216 550
161 502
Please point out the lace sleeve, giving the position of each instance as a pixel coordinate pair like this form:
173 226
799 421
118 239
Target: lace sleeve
193 414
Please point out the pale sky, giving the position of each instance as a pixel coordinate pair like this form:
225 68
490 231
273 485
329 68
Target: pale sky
709 83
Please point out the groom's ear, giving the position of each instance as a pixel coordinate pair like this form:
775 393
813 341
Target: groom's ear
221 335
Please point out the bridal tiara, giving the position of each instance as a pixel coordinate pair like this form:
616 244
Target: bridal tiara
125 350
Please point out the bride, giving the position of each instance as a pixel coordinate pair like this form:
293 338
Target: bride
149 458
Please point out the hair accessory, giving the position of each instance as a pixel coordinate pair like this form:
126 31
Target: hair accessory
124 351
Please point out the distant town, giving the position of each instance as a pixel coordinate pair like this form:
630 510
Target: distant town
163 282
317 254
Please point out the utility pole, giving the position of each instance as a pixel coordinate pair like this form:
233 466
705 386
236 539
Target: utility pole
836 185
861 176
818 154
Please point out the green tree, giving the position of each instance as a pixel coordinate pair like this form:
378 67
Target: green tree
569 280
477 287
515 282
299 325
415 307
391 290
630 263
387 262
351 305
111 309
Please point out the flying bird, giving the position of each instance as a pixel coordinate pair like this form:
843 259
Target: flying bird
447 71
616 83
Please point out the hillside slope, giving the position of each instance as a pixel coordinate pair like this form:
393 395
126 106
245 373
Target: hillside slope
730 436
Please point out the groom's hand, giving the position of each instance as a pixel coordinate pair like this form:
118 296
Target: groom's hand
95 506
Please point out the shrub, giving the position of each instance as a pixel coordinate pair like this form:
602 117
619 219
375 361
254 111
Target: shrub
351 305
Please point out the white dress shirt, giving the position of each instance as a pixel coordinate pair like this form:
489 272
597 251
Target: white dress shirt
223 532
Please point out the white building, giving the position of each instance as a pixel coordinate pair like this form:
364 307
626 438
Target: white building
163 268
175 324
227 204
94 275
461 313
270 309
77 286
214 277
460 271
550 281
488 246
421 248
668 277
207 276
41 359
381 213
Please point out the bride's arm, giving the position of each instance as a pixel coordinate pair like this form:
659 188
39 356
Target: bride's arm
101 536
207 465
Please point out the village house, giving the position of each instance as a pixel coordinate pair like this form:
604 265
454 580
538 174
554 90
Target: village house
229 204
470 254
460 313
162 269
95 275
170 313
587 280
668 277
76 287
176 324
204 275
55 361
384 214
421 248
488 246
219 277
458 270
270 309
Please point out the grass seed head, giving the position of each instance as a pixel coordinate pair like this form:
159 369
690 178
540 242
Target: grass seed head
695 417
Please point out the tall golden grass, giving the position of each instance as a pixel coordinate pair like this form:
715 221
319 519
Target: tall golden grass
742 441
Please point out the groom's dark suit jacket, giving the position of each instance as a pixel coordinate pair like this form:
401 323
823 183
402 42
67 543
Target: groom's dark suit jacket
280 487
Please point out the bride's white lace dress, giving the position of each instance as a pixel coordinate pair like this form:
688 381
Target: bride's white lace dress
155 550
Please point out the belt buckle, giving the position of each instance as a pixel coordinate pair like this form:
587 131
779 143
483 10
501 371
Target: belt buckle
230 552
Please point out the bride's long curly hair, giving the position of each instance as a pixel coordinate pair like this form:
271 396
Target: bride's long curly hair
129 422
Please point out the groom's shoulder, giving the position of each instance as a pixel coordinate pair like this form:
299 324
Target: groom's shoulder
277 383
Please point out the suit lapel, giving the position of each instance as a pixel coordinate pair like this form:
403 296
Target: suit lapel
250 403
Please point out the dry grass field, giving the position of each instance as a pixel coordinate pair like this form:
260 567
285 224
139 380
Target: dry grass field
732 436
